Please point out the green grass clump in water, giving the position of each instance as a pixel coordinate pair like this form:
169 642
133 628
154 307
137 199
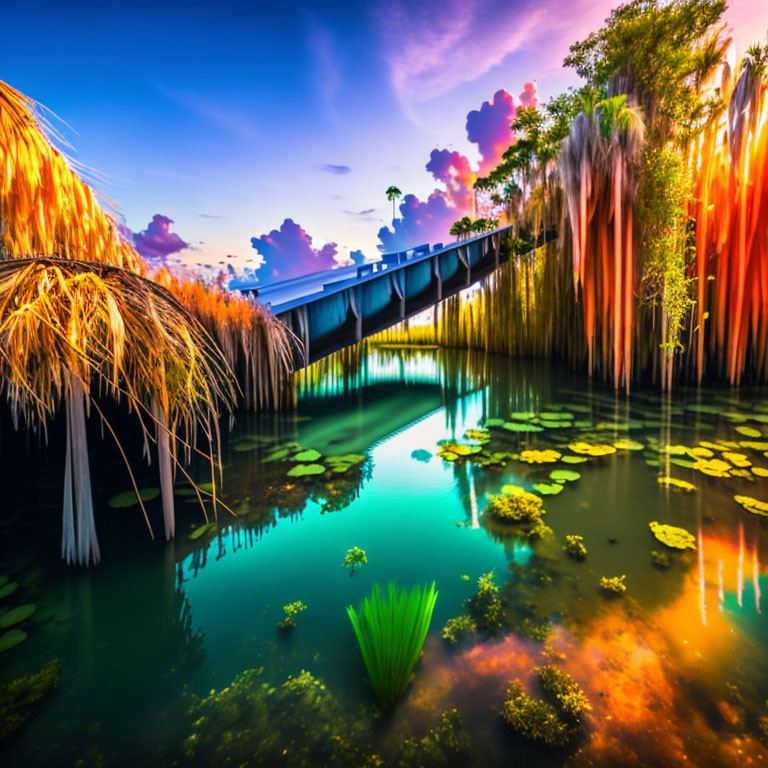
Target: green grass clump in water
391 630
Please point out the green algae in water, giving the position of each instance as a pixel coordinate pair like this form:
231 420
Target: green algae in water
129 498
17 615
21 698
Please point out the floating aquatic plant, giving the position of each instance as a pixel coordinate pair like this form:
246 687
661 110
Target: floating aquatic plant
548 489
391 630
11 639
675 482
754 506
310 455
302 470
613 585
672 536
291 611
354 558
131 498
17 615
660 559
531 456
574 547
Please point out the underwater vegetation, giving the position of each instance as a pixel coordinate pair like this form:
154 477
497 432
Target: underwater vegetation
556 721
457 628
21 698
446 744
484 607
291 611
574 547
391 630
355 557
251 722
613 585
519 508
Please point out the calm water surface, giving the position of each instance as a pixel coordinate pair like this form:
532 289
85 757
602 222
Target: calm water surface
676 670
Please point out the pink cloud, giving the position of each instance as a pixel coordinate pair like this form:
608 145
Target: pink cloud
156 242
287 252
455 171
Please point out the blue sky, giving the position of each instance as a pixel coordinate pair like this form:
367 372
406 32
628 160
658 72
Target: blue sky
227 117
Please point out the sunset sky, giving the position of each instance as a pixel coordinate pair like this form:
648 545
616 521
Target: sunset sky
229 118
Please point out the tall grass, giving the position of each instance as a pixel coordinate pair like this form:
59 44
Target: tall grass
391 631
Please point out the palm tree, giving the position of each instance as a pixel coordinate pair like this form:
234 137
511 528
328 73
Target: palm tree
393 193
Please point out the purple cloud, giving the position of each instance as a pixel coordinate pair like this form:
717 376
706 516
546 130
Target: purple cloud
156 242
454 170
339 170
419 222
287 252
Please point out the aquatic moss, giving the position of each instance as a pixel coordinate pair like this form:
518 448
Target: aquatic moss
447 744
354 558
485 606
533 719
291 611
515 507
674 482
672 536
614 585
458 628
21 698
754 506
568 697
575 547
250 722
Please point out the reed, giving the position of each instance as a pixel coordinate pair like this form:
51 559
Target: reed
391 631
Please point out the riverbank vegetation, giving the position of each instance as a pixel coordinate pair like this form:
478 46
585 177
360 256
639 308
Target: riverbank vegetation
654 173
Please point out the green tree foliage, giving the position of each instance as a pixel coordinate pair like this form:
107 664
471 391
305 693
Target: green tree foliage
660 52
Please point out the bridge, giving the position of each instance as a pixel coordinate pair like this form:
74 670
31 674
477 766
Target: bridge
331 310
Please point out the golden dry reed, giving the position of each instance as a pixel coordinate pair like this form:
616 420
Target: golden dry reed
81 321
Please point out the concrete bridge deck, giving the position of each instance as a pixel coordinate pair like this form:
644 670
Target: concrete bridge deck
331 310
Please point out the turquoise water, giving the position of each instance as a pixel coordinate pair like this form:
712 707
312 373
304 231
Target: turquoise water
675 670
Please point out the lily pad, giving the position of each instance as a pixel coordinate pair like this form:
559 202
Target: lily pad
516 426
201 530
564 475
539 457
628 445
494 422
300 470
686 463
420 455
748 431
672 536
9 589
245 447
574 459
129 498
754 506
522 415
674 482
548 489
512 490
281 453
309 455
17 615
347 458
3 580
11 639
